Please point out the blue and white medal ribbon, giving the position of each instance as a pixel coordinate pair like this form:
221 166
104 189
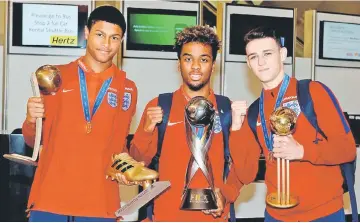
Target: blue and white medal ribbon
85 98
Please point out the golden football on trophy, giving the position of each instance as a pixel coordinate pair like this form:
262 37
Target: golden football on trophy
282 121
48 78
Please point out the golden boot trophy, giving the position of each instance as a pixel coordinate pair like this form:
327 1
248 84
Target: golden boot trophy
282 122
46 80
136 172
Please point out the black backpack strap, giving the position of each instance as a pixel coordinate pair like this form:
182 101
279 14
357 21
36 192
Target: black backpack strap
164 101
252 117
307 106
224 111
348 171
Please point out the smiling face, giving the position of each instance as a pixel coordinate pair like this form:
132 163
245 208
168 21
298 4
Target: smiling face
265 58
196 65
103 41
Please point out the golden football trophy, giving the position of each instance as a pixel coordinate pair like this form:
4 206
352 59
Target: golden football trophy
282 122
136 172
47 80
199 123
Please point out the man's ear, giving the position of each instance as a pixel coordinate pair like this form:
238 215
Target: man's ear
86 31
178 65
247 62
283 53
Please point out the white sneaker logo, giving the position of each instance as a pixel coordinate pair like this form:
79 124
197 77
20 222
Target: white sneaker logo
67 90
258 123
173 123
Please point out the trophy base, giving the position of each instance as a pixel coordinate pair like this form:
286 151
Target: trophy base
272 200
20 159
198 199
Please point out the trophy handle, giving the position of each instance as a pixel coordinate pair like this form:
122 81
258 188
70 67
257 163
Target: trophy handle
36 92
25 159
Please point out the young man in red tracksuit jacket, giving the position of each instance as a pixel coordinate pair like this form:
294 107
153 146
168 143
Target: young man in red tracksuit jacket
197 49
69 183
315 173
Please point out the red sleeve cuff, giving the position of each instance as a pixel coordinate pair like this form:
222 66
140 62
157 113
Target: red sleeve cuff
229 192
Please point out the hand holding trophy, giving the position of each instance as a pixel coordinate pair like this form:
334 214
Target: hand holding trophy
47 80
135 172
282 122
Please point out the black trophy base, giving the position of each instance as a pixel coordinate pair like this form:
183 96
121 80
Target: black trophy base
198 199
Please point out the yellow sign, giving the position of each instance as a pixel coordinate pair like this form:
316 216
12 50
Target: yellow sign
63 40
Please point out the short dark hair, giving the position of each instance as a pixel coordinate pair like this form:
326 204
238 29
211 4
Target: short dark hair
200 34
109 14
261 32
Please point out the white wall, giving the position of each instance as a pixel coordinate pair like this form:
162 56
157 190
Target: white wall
19 69
344 82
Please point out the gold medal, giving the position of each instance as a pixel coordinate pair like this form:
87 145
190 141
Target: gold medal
88 127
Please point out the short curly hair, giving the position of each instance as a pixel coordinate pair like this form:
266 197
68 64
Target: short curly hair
199 34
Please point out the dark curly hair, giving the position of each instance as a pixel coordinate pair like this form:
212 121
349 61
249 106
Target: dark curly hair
200 34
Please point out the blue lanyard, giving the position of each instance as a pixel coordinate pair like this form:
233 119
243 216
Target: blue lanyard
85 98
280 96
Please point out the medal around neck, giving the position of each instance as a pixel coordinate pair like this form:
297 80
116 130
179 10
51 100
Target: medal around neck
199 122
47 81
282 122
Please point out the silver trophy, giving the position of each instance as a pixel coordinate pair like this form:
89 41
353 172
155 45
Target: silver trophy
199 120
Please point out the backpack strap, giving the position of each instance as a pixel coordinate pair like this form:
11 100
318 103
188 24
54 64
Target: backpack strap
164 101
338 108
252 117
307 107
348 170
224 111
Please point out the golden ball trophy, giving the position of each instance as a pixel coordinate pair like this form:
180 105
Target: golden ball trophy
47 80
282 122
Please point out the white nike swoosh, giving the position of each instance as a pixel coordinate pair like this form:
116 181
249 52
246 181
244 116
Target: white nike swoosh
67 90
258 123
221 111
173 123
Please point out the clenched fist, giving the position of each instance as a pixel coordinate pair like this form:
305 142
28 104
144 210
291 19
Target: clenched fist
154 115
35 109
238 110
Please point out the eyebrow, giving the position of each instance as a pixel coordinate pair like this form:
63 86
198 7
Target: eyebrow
116 34
202 55
268 50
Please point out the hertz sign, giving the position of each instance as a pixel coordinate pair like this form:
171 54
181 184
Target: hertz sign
63 40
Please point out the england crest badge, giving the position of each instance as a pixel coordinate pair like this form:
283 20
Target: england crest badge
126 101
112 99
293 105
217 124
